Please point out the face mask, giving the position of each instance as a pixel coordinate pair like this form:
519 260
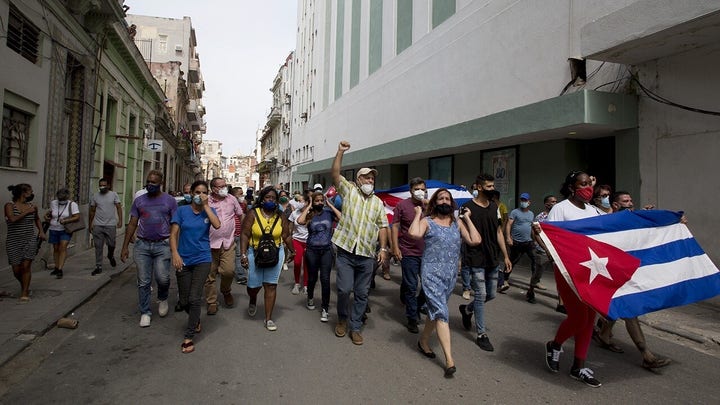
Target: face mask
475 193
419 194
197 200
605 202
621 208
524 204
489 194
584 194
103 190
283 200
63 202
223 192
318 207
367 189
29 198
187 197
152 188
443 209
269 205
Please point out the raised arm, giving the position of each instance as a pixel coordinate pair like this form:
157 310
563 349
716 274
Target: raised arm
418 227
337 162
469 233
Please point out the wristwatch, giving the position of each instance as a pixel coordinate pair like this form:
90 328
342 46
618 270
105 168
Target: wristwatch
384 250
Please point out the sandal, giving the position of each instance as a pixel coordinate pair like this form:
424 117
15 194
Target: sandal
187 347
656 363
198 328
607 345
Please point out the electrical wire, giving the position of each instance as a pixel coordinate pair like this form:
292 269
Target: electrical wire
660 99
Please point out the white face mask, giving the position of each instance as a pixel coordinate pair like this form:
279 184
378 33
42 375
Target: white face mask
419 194
367 189
524 204
223 192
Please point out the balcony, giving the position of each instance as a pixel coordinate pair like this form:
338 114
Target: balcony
194 71
273 119
195 111
199 88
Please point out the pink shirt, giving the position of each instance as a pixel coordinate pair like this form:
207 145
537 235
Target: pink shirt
226 209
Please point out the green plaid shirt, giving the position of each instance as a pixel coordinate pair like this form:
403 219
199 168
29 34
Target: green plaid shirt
361 220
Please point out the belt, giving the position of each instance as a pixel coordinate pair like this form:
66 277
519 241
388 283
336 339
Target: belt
153 240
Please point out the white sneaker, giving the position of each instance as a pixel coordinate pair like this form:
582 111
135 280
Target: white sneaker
304 290
310 304
270 325
144 320
466 294
324 317
285 267
163 308
296 289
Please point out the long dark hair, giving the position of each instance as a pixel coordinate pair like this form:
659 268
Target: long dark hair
311 212
433 203
261 197
18 189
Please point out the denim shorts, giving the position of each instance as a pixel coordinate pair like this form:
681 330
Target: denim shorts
259 276
57 236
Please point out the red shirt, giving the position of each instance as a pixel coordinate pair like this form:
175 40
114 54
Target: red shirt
403 215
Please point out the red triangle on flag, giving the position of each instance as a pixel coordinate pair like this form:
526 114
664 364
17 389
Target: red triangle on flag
595 270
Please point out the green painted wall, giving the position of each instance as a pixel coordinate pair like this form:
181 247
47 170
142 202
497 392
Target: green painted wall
355 43
441 11
339 39
403 38
375 36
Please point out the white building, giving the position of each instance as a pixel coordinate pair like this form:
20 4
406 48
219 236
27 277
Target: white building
524 90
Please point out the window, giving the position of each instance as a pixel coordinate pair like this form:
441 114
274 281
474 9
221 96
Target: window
22 36
15 136
162 44
440 168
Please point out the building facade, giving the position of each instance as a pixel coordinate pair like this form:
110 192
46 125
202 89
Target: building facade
526 91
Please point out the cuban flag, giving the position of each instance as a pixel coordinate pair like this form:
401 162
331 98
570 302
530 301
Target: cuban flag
392 196
632 262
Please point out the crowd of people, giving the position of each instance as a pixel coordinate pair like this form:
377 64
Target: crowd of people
212 230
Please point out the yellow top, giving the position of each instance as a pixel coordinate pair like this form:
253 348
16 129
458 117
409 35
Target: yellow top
266 224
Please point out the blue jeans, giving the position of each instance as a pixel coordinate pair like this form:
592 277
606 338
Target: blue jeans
319 259
353 275
484 283
410 275
240 271
152 260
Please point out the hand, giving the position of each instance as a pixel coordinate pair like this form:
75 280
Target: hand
649 207
33 209
289 255
344 145
204 198
418 210
244 262
509 241
124 254
90 228
41 235
508 265
397 253
382 257
119 225
177 262
593 180
465 212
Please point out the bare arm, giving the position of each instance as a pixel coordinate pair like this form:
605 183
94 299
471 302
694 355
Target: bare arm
508 235
337 162
501 242
337 212
394 235
14 218
118 207
245 235
91 217
287 238
469 233
129 232
302 219
418 227
174 235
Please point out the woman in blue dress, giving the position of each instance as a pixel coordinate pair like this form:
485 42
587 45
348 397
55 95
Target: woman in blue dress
443 236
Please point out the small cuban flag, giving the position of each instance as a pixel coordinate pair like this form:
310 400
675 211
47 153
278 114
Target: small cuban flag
392 196
632 262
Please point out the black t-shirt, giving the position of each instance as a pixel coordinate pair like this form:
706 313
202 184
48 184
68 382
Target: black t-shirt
486 221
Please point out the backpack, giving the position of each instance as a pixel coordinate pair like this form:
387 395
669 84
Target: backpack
267 253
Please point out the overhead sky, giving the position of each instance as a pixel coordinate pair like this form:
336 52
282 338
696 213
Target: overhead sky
242 44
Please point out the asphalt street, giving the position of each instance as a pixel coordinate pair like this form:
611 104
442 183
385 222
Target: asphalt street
108 359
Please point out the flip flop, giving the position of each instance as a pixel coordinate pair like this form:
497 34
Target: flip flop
607 346
657 363
187 347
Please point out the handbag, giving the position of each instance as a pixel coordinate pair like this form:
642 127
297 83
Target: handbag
72 227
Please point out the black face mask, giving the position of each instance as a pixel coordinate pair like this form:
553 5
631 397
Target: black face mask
318 207
489 194
443 209
103 190
29 198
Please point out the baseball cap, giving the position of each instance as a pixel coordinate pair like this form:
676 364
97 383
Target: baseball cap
366 170
317 186
525 196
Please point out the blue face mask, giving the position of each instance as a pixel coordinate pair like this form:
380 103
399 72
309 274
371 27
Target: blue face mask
197 200
524 204
605 202
187 197
475 193
152 188
269 205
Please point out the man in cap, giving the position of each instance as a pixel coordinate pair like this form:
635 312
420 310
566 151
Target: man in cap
318 187
362 224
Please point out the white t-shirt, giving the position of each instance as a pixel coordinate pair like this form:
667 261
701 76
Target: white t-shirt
61 211
300 232
567 211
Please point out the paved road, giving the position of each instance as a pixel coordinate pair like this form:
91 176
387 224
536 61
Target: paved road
109 359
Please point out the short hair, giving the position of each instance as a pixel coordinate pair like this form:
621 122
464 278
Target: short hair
214 179
483 177
616 195
155 172
415 181
596 191
198 183
547 197
103 179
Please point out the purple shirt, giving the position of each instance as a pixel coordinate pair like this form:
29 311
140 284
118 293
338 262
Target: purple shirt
226 209
153 214
403 214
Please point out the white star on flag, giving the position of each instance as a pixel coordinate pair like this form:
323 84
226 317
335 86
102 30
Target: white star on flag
597 266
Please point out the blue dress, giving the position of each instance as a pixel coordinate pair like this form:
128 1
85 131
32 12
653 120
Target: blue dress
440 266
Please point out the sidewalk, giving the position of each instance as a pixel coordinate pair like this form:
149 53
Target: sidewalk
699 322
51 299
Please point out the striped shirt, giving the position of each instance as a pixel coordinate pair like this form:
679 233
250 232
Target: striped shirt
362 218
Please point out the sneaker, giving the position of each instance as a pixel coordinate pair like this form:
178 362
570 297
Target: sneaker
504 287
530 297
270 325
466 317
310 304
97 271
285 267
585 375
252 309
242 281
304 291
341 328
356 337
552 357
296 289
412 326
540 286
144 320
386 275
54 272
483 341
229 300
466 295
113 263
163 308
324 316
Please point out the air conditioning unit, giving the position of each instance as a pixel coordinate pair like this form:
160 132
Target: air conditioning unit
178 48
